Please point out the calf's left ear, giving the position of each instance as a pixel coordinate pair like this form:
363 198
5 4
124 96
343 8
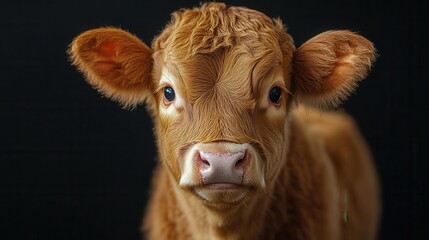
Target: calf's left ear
327 67
114 62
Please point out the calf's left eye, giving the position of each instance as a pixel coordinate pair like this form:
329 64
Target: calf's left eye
275 95
169 94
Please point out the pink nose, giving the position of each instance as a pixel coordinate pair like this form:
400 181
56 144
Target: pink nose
222 167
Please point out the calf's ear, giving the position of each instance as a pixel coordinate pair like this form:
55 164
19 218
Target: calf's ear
327 68
114 62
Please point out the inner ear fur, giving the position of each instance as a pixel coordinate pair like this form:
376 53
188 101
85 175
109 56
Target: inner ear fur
327 68
114 62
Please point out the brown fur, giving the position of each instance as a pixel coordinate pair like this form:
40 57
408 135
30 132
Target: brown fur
221 62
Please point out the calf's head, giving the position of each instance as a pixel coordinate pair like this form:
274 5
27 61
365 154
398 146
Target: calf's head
219 83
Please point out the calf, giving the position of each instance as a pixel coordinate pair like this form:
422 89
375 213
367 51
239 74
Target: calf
247 147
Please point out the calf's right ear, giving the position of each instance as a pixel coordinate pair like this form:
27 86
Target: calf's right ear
328 67
114 62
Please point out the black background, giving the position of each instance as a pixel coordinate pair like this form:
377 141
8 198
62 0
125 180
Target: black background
74 165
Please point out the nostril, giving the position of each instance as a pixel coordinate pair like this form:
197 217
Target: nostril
205 162
202 162
240 162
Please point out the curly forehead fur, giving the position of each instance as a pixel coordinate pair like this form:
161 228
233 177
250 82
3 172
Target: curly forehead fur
215 25
202 44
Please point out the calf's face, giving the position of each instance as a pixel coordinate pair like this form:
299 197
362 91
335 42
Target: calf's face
220 121
219 83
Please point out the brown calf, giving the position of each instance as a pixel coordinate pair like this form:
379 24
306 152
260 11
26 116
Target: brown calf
243 152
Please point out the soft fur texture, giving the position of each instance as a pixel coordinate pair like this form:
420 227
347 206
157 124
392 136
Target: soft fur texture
305 174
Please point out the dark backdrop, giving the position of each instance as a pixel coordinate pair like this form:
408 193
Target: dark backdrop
74 165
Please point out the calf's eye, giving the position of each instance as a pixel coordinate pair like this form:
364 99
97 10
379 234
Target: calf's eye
169 94
275 94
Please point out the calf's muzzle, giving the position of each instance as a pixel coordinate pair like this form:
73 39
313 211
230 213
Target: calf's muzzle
222 167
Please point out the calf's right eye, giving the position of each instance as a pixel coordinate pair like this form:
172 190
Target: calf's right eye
275 95
169 94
